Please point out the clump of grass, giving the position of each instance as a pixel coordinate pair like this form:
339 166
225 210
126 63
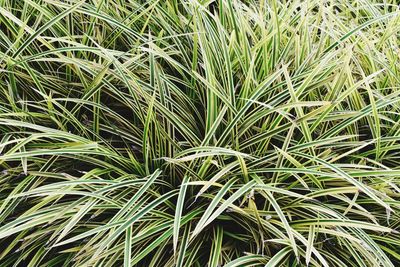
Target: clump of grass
199 133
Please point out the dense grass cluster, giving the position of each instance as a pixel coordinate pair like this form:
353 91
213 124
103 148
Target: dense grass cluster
199 133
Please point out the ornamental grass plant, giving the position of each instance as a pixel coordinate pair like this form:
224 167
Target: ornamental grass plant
199 133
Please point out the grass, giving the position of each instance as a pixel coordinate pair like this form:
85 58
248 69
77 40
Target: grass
199 133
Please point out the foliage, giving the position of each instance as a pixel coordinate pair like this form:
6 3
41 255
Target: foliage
199 133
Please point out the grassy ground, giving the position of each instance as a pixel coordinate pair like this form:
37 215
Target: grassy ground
199 133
